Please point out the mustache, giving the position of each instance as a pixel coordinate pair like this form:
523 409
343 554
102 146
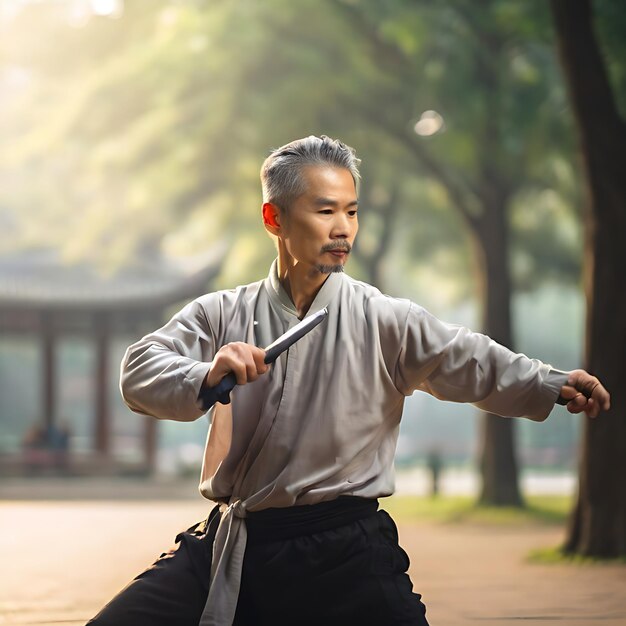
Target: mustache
344 246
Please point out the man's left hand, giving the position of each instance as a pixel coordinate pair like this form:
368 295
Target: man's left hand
584 392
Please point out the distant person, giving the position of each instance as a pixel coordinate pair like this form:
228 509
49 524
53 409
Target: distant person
45 447
301 455
58 440
434 461
34 449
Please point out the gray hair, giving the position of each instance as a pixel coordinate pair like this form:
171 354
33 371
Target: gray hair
281 173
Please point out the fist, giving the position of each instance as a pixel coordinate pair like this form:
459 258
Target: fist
242 359
584 392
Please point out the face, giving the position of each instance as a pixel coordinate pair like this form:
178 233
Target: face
318 229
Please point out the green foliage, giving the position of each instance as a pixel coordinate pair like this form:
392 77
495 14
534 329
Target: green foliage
557 556
133 138
610 23
547 238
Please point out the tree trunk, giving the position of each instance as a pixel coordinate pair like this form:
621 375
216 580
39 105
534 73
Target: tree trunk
498 463
598 523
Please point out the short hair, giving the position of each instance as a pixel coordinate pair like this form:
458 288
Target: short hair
281 173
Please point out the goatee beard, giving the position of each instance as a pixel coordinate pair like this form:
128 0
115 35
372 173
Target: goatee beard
344 246
329 269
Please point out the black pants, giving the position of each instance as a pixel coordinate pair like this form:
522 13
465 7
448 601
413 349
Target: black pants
340 574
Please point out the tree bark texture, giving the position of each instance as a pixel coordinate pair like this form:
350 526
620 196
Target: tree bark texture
498 460
598 523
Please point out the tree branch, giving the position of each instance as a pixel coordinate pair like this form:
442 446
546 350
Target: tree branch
394 57
460 193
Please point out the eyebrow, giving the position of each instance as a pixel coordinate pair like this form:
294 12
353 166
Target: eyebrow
329 202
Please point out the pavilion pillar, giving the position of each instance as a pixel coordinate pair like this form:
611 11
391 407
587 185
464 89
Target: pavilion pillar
48 373
150 443
102 409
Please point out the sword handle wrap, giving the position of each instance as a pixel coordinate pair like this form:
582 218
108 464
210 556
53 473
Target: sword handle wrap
220 393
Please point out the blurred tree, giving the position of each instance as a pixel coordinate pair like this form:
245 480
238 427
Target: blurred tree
154 125
598 522
481 70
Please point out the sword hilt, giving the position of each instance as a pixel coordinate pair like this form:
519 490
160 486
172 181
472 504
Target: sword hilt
220 393
208 396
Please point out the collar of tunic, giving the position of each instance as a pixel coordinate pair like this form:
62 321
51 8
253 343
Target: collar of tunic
282 301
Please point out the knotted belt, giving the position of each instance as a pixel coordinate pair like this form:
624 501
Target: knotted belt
228 551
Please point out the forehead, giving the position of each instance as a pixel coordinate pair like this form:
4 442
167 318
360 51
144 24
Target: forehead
330 182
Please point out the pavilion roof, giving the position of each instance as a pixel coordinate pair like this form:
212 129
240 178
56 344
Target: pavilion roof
40 280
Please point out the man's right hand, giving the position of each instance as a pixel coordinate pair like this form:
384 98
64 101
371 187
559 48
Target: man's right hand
245 361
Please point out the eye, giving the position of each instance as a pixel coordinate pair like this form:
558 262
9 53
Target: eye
326 212
352 213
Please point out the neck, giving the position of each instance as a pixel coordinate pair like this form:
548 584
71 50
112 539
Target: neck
300 282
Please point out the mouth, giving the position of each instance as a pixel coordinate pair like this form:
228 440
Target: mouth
340 250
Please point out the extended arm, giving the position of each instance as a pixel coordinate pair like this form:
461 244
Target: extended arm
452 363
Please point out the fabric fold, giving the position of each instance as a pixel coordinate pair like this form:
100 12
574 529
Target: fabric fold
228 551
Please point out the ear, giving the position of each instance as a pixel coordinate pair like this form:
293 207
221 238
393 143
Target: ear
271 218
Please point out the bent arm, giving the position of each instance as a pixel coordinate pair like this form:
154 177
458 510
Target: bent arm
453 363
162 373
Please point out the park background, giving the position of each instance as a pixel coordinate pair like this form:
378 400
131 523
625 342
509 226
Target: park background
132 135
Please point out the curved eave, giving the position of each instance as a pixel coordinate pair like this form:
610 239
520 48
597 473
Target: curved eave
86 294
142 297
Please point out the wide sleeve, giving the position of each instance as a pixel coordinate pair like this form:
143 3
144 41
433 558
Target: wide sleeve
453 363
162 373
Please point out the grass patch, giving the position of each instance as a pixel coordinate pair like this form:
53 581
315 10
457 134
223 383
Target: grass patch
460 509
419 508
555 556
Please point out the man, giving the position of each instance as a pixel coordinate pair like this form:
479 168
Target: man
300 456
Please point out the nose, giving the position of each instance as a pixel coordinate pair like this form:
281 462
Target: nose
344 226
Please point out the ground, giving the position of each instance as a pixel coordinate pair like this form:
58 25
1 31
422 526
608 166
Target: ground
63 559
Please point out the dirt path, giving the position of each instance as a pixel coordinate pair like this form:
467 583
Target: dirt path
60 564
472 574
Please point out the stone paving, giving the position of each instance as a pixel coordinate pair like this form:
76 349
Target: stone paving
63 559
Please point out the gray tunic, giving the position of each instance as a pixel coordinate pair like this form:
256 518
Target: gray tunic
323 422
